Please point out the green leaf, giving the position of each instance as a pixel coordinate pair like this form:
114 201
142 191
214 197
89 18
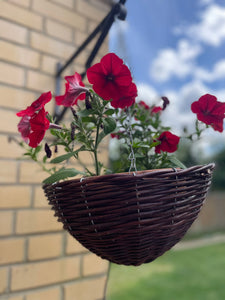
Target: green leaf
63 157
88 119
176 162
62 174
101 137
85 112
109 112
109 125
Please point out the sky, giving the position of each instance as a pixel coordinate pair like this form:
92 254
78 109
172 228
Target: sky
175 48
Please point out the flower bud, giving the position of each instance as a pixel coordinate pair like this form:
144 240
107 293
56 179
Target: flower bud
48 151
87 101
72 134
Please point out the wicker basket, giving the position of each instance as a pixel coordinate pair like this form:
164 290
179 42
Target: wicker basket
130 218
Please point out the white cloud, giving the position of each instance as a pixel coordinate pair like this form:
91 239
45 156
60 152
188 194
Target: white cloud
146 93
217 72
206 2
175 62
178 114
211 28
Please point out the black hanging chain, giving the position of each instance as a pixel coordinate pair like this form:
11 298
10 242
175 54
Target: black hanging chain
118 11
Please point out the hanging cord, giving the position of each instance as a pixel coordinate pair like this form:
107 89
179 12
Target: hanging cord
130 142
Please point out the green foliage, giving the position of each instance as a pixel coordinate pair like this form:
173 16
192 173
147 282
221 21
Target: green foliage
62 174
196 274
145 129
218 182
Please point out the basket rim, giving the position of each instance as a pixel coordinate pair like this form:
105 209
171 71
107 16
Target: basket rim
135 174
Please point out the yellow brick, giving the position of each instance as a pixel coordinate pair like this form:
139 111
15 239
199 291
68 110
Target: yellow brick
16 98
3 280
11 250
59 13
85 290
44 273
34 221
92 264
51 46
20 297
80 37
31 173
40 199
14 196
25 3
58 30
11 74
20 15
19 55
8 121
90 11
8 170
9 149
67 3
13 32
45 246
49 294
48 64
39 82
73 246
6 223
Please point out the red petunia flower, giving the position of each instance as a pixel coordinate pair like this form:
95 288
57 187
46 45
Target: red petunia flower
156 109
33 128
36 105
75 90
38 126
143 104
168 141
34 123
110 78
210 111
24 128
127 99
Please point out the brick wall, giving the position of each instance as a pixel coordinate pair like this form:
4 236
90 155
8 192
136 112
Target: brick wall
37 259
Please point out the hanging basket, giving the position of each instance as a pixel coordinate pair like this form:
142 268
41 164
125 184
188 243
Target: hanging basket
131 218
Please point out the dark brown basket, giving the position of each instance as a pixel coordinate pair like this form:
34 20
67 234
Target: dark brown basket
130 218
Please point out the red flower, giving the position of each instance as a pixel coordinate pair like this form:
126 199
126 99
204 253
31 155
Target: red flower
143 104
111 78
127 99
39 124
75 90
33 128
156 109
34 123
24 128
168 141
115 136
210 111
36 105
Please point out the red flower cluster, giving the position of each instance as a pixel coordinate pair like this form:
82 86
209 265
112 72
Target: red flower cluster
75 90
155 109
210 111
34 123
169 142
112 80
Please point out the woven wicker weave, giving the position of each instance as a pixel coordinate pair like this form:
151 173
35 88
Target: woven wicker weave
130 218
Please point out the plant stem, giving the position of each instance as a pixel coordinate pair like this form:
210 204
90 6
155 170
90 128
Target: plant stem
96 148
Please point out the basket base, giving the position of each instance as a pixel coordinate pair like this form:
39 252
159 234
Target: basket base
129 219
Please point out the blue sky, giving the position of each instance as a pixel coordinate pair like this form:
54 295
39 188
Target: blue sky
174 48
